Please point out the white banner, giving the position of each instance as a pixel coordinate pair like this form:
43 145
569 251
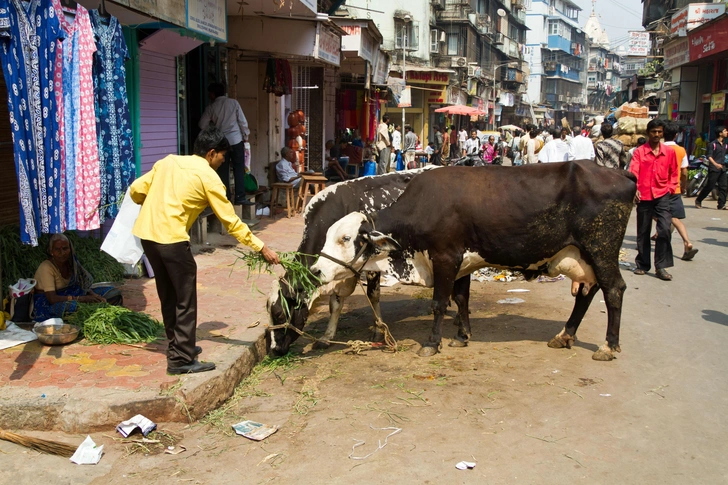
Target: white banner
639 44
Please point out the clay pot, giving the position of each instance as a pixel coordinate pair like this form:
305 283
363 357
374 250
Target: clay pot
301 116
301 158
293 145
301 129
291 133
293 119
303 144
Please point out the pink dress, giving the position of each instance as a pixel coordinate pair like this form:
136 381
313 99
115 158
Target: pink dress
74 61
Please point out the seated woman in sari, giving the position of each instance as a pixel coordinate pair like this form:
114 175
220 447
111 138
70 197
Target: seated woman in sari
62 283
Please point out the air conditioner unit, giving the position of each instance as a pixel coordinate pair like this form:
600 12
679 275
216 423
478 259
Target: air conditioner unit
474 71
443 37
561 97
499 38
458 62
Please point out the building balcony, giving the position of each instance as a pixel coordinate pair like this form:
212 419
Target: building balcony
554 69
597 68
561 43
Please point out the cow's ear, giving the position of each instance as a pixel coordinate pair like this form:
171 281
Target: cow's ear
382 242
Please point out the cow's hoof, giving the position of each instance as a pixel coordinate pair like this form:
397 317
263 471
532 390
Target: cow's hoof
605 353
561 341
458 342
377 335
321 345
427 351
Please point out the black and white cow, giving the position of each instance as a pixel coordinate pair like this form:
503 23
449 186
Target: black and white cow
366 194
558 218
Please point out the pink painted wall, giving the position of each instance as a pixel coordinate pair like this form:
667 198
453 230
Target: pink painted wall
158 103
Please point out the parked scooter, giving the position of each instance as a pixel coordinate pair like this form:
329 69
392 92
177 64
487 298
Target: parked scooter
471 160
698 181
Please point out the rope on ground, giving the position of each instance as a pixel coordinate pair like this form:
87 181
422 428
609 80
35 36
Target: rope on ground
356 346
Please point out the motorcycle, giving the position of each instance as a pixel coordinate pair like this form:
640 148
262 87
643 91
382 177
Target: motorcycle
698 181
470 160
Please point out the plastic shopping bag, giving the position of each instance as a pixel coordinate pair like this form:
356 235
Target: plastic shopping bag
246 146
120 243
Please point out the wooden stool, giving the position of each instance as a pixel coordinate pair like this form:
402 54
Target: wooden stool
318 182
287 189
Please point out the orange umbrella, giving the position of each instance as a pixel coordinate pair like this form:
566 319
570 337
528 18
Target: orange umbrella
460 109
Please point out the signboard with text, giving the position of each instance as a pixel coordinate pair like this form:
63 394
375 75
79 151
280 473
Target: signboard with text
359 40
717 102
208 17
639 44
428 77
693 16
328 45
381 70
709 40
677 53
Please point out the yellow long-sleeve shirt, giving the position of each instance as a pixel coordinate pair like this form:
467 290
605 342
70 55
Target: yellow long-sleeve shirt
174 193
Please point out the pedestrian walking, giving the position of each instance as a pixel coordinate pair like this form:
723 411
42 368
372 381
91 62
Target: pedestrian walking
610 152
655 166
581 146
717 170
445 145
436 157
677 209
462 138
172 194
410 146
384 146
558 150
227 115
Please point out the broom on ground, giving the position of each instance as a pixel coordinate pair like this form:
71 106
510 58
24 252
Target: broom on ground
44 446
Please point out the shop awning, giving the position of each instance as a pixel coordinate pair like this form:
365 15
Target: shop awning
428 69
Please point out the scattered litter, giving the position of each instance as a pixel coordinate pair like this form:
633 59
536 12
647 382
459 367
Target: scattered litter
172 451
43 396
627 264
548 279
379 447
127 427
254 431
264 211
511 301
218 333
465 465
623 254
518 290
493 274
254 324
387 280
554 371
715 218
87 453
605 395
14 335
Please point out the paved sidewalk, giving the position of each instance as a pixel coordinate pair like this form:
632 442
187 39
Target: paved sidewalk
81 387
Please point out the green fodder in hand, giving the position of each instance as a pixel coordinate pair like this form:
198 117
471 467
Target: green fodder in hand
298 275
106 324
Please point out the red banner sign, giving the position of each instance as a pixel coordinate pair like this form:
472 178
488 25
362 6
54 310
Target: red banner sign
708 41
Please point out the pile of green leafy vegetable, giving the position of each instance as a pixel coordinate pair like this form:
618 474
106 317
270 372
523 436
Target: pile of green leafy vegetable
21 260
102 323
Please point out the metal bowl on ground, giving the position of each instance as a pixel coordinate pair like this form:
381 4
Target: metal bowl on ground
56 334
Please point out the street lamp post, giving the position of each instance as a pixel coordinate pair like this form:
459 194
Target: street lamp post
406 19
495 67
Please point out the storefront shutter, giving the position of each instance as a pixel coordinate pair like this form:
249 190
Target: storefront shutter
9 205
158 106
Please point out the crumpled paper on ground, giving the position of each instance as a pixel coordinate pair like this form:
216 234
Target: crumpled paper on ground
127 427
87 453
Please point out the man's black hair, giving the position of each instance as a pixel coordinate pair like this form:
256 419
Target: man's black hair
210 139
385 118
718 131
217 89
641 141
607 130
655 124
669 132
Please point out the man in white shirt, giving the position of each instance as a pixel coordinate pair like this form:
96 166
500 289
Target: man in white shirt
227 115
462 138
287 167
557 150
384 146
533 145
396 139
581 146
472 145
410 146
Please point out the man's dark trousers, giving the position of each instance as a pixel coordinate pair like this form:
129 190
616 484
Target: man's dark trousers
719 177
235 156
175 274
646 210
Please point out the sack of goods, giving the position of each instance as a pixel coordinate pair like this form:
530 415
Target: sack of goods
629 125
632 110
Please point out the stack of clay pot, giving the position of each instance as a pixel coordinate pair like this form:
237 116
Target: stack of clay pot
296 135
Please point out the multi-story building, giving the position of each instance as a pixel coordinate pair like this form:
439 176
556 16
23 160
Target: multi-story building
557 52
603 80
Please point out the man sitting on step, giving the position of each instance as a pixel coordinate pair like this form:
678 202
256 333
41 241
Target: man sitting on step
287 168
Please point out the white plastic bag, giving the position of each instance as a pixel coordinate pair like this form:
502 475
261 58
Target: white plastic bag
120 243
22 287
246 146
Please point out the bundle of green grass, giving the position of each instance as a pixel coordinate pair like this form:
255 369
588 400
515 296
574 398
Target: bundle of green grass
102 323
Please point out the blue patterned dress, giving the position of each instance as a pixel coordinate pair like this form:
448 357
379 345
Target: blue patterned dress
113 124
29 32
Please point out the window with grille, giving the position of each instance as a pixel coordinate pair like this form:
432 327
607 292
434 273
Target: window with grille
407 35
301 98
452 44
434 41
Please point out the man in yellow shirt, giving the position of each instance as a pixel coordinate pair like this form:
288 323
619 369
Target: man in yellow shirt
172 195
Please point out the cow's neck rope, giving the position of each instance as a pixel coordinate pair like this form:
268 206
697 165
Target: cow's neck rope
350 264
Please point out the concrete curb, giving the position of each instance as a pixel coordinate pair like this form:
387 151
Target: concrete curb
51 408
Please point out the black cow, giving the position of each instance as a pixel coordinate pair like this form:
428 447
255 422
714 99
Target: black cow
366 194
559 218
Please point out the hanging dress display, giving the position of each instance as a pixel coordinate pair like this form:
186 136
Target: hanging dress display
29 32
113 123
81 158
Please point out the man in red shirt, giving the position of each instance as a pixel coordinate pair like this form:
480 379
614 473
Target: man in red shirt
655 166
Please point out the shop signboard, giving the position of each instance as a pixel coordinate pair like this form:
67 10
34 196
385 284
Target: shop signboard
677 53
437 96
208 17
709 40
717 102
693 16
639 44
705 99
405 100
328 45
359 40
428 77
